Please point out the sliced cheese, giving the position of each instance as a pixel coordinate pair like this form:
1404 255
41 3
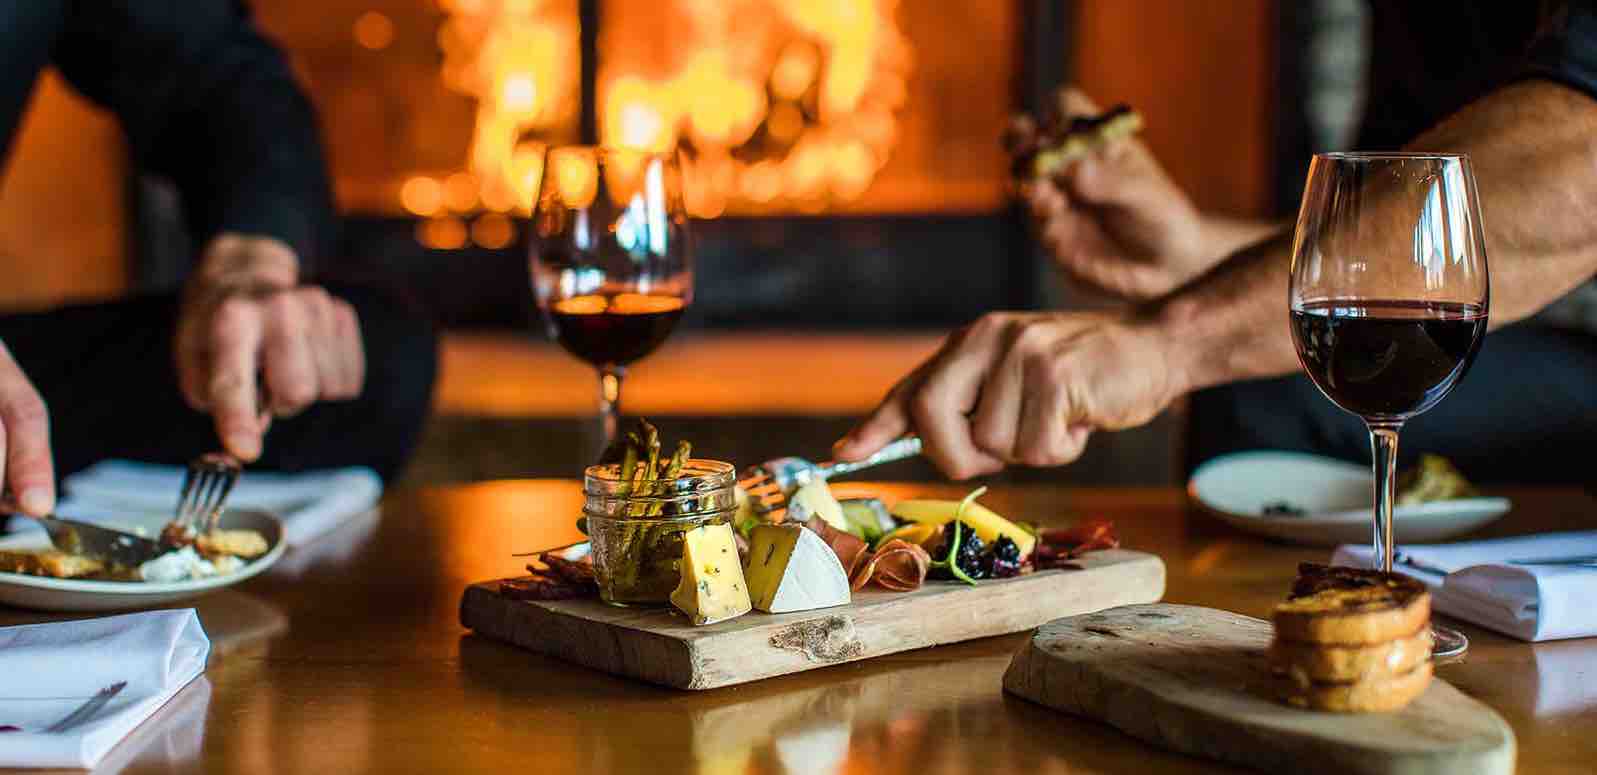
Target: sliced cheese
792 569
712 587
989 525
814 499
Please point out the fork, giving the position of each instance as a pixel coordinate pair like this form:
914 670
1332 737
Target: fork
87 710
770 483
206 485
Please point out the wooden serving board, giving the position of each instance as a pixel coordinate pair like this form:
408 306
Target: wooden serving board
660 646
1195 680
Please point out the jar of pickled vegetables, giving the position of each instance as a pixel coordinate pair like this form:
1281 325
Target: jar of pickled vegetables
636 526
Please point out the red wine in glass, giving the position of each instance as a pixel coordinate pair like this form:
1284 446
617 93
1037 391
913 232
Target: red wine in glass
613 329
1386 361
610 259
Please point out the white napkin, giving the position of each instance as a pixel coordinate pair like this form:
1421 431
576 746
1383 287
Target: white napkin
1474 581
311 503
51 669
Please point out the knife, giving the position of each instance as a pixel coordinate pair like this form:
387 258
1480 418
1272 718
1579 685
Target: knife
101 543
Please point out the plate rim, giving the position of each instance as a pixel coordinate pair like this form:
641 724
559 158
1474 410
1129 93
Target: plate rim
1492 505
147 589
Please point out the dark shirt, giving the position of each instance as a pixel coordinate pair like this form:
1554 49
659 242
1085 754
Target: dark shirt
1430 58
204 98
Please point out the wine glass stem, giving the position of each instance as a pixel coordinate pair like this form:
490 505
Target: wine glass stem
610 402
1383 449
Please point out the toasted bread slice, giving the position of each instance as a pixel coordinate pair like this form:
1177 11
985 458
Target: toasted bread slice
239 543
1067 141
49 563
1351 607
1305 663
1375 696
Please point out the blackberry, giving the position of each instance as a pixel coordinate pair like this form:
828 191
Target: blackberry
969 558
1003 560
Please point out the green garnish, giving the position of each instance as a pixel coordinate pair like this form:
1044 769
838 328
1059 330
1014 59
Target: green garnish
950 562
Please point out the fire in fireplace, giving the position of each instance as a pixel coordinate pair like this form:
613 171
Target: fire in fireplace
776 104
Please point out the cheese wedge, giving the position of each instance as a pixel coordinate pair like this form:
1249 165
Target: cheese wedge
712 587
989 525
815 499
792 569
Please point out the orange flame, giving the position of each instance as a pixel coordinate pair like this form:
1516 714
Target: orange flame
796 107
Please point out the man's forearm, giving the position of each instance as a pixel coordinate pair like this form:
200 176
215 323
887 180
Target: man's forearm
1534 149
1227 235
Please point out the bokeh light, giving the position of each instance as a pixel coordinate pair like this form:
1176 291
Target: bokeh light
374 30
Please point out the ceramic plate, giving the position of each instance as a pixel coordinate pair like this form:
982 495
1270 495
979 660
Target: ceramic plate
1335 497
48 594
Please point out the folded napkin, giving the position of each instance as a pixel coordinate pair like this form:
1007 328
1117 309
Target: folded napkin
51 669
1474 581
311 503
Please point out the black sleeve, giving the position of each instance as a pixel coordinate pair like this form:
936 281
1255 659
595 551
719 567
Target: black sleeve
209 102
1565 48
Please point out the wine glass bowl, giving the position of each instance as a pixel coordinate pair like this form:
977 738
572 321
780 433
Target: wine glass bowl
1389 296
610 258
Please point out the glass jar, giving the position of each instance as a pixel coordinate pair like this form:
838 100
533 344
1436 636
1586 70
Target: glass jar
636 527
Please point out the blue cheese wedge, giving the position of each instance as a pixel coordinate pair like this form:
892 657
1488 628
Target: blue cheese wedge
815 499
792 569
712 587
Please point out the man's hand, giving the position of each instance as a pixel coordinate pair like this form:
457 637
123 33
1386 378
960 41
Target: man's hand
246 325
1114 221
26 469
1024 388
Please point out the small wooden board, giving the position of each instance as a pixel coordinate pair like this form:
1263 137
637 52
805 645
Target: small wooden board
1195 680
660 646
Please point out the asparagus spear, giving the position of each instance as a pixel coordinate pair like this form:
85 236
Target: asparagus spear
673 469
629 457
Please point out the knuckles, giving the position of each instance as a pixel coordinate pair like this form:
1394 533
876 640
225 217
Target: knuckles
993 437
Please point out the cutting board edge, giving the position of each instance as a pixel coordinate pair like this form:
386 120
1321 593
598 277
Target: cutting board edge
1118 577
1026 672
482 610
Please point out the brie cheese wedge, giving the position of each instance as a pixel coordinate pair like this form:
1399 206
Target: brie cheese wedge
792 569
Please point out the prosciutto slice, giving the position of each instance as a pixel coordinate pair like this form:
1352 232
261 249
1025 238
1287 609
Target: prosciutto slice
1058 546
898 566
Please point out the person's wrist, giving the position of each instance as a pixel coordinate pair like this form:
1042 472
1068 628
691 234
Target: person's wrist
245 263
1171 329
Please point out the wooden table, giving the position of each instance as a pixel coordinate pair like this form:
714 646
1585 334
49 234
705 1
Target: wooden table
354 661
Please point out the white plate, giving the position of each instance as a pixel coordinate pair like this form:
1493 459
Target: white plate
49 594
1335 495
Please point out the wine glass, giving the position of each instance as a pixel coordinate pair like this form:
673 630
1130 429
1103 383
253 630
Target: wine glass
612 267
1389 296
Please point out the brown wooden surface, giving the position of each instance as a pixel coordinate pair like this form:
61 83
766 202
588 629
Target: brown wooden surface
662 647
1196 679
355 662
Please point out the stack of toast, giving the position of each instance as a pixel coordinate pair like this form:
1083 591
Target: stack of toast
1352 640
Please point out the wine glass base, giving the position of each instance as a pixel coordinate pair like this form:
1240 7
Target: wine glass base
1447 642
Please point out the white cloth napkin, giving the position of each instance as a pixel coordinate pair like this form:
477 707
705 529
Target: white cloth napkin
1474 581
311 503
49 670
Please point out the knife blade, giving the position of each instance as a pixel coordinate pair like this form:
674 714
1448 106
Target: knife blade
100 543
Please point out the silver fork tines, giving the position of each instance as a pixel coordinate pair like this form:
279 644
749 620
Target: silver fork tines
769 484
206 485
